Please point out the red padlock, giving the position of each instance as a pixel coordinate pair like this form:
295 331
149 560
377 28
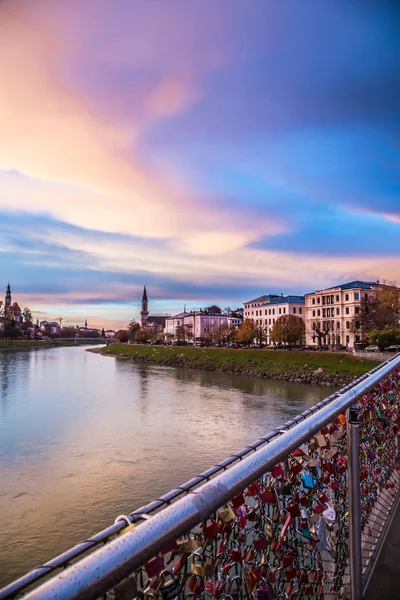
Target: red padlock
253 489
238 500
155 566
268 497
211 530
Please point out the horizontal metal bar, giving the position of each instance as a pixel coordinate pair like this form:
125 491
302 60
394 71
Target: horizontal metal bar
100 571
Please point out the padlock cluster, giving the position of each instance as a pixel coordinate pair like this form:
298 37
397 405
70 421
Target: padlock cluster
286 535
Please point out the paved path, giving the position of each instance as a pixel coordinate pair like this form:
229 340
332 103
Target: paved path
385 581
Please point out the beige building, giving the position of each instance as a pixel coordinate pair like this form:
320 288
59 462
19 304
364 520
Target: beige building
198 325
264 311
332 313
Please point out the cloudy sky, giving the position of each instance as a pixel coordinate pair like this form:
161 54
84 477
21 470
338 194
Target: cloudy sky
214 150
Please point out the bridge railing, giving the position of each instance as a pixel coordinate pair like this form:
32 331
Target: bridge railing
301 513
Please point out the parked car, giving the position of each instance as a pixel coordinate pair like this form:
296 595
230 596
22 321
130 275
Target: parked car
308 348
372 348
394 348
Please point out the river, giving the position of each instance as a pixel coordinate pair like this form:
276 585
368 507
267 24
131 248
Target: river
84 438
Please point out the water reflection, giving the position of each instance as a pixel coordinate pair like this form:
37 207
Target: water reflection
84 438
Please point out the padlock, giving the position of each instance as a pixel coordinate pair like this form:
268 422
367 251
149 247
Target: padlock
195 585
264 592
197 567
253 489
226 515
268 497
154 567
238 500
185 546
260 543
211 530
170 589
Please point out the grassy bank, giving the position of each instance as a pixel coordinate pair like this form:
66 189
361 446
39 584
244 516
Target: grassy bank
30 344
326 368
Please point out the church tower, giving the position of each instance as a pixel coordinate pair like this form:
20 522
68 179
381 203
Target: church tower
7 303
144 315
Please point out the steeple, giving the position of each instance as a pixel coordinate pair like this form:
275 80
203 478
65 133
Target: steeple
7 303
144 314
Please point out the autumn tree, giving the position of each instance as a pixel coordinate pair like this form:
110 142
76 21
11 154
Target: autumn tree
379 312
122 335
260 334
288 329
133 327
213 309
246 332
180 333
221 334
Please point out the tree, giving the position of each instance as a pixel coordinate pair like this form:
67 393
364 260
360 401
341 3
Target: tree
122 335
260 334
288 329
213 309
133 327
221 334
320 331
246 332
26 313
237 313
180 333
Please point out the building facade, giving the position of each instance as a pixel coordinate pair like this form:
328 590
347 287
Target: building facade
264 311
153 323
11 309
331 314
197 325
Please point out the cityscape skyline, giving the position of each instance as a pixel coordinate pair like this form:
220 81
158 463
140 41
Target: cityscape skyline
211 152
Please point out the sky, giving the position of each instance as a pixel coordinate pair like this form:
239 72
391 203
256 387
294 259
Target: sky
212 150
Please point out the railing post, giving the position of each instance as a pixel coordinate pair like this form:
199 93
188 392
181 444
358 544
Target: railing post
353 470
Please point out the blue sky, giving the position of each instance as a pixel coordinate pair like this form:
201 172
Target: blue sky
212 151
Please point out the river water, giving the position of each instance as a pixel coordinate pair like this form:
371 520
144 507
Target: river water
84 438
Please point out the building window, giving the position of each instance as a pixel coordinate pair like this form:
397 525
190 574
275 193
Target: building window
347 310
273 312
357 338
300 310
357 324
252 312
347 339
318 300
318 313
280 311
357 310
284 311
269 321
347 324
332 297
313 313
273 321
356 296
294 310
346 297
269 311
337 311
337 298
338 325
324 312
265 312
256 313
313 300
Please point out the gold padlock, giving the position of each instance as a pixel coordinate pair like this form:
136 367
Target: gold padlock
208 567
226 515
185 546
197 568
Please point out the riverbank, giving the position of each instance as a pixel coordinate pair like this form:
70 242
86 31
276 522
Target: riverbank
321 368
35 344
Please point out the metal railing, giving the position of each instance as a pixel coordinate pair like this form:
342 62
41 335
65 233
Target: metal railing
273 518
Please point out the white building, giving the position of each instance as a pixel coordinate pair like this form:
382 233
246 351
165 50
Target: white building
264 311
196 325
333 311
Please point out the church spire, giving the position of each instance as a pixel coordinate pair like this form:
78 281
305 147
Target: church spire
144 314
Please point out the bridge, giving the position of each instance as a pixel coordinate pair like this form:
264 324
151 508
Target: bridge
303 512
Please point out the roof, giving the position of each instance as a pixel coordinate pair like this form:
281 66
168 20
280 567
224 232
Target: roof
144 297
364 285
265 298
288 300
15 306
181 315
157 320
